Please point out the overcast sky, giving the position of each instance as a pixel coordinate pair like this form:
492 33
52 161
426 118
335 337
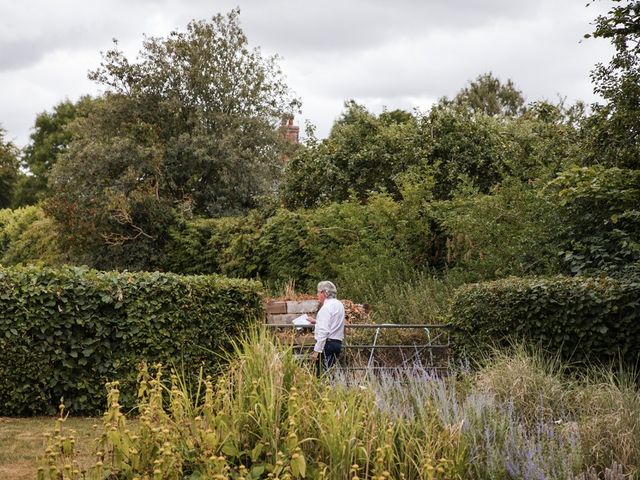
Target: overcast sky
383 53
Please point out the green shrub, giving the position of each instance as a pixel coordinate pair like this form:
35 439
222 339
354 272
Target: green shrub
599 207
580 317
65 332
28 236
192 248
345 242
513 231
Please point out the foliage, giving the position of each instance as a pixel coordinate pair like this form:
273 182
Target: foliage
199 245
192 127
544 140
614 128
486 135
28 236
268 416
489 96
579 317
362 155
67 331
8 170
482 150
418 299
584 221
599 207
513 231
464 147
453 143
104 222
49 139
343 242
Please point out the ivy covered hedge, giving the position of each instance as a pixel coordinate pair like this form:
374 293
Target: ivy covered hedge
64 332
580 317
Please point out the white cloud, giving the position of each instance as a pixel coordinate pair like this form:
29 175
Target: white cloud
398 54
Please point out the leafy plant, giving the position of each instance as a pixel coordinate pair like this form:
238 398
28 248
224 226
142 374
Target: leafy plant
580 317
599 208
67 331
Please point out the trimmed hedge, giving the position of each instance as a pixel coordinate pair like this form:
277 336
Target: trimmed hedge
65 332
580 317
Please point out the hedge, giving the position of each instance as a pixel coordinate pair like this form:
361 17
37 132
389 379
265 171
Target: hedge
65 332
335 242
582 318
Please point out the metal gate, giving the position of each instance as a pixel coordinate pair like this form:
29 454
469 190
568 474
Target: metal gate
374 347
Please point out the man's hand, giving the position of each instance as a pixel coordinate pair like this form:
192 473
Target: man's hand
311 320
314 356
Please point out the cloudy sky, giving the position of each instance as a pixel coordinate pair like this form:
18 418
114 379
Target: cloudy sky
383 53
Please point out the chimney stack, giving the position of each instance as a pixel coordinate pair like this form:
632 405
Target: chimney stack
292 132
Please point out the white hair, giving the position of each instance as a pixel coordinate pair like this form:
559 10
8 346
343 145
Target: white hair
328 288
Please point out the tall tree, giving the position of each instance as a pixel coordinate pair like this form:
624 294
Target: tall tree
190 127
614 128
450 146
49 139
488 95
8 170
363 154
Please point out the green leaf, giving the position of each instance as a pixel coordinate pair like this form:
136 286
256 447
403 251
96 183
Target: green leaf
230 450
299 465
257 471
255 452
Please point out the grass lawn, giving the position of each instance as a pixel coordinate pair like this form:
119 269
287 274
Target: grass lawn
22 442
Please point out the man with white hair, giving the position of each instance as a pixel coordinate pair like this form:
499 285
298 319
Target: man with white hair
329 332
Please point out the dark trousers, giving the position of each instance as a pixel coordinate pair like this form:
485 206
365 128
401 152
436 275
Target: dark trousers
330 354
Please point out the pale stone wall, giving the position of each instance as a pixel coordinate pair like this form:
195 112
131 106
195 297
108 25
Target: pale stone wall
283 311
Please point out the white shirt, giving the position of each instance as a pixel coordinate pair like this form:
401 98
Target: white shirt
329 323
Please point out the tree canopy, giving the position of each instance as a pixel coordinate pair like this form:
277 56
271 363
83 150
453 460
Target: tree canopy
362 154
613 130
49 139
192 127
8 170
488 95
481 137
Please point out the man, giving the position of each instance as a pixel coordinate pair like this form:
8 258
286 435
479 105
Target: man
329 322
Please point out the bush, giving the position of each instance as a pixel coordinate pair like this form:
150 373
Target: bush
67 331
192 249
513 231
599 207
343 242
28 236
580 317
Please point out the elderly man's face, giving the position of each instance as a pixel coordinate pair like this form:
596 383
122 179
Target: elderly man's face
322 297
